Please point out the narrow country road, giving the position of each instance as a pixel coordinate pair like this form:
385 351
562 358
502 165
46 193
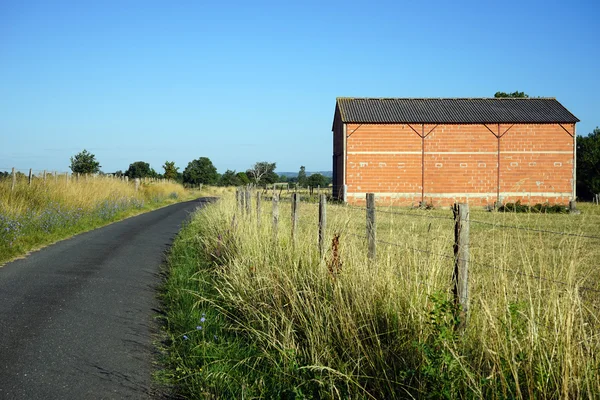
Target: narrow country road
77 318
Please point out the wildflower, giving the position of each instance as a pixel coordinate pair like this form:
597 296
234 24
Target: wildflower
202 319
198 328
185 337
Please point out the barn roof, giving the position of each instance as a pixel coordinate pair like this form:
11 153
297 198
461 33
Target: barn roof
453 111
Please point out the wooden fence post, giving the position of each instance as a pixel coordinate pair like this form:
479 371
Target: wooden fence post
29 176
55 177
137 184
295 198
242 199
275 215
258 209
322 223
460 277
248 201
371 226
14 180
44 175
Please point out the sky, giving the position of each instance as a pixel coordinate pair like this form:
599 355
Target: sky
241 82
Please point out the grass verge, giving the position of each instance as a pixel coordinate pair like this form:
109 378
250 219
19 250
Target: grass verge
253 315
32 216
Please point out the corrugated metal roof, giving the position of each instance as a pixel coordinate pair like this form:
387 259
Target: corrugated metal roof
453 111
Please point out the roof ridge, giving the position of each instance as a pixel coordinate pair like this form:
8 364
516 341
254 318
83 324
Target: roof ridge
445 98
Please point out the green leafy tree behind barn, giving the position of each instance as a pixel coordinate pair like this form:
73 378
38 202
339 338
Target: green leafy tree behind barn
588 165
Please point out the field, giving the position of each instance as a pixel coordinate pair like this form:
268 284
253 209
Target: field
254 314
47 210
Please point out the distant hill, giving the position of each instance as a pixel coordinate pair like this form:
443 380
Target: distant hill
328 174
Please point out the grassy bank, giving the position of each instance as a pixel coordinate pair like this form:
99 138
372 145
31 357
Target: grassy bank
34 215
250 315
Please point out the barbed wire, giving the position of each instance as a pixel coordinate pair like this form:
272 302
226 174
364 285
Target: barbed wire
415 215
538 277
402 246
541 278
534 230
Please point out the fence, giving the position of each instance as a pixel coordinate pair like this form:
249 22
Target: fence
29 176
461 245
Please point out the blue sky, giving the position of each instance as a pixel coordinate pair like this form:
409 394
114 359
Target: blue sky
241 82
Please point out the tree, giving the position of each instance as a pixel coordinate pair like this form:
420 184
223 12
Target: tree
243 177
317 180
199 171
170 170
516 94
588 165
139 169
262 172
85 163
302 176
229 178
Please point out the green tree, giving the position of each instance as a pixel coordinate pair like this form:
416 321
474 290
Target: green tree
170 170
85 163
588 165
199 171
302 180
139 169
317 180
229 178
263 172
243 177
516 94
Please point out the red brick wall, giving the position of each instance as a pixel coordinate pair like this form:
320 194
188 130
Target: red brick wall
460 163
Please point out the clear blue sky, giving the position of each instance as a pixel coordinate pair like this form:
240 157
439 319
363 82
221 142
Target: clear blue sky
241 82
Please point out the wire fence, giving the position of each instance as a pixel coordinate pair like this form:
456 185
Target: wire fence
464 258
20 177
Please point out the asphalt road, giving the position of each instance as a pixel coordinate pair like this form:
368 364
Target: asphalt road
77 318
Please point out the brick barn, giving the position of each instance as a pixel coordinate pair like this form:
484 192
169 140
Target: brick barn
438 151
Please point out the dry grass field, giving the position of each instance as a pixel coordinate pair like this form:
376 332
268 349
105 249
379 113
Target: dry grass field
256 314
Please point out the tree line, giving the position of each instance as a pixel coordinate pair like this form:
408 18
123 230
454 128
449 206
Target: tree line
202 171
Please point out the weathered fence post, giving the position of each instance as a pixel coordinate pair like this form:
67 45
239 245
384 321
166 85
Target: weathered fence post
248 200
460 276
137 184
573 207
14 180
44 175
258 209
55 177
322 223
371 227
29 177
295 198
275 215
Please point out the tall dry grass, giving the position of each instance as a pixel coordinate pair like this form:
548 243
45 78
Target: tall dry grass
47 210
386 329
